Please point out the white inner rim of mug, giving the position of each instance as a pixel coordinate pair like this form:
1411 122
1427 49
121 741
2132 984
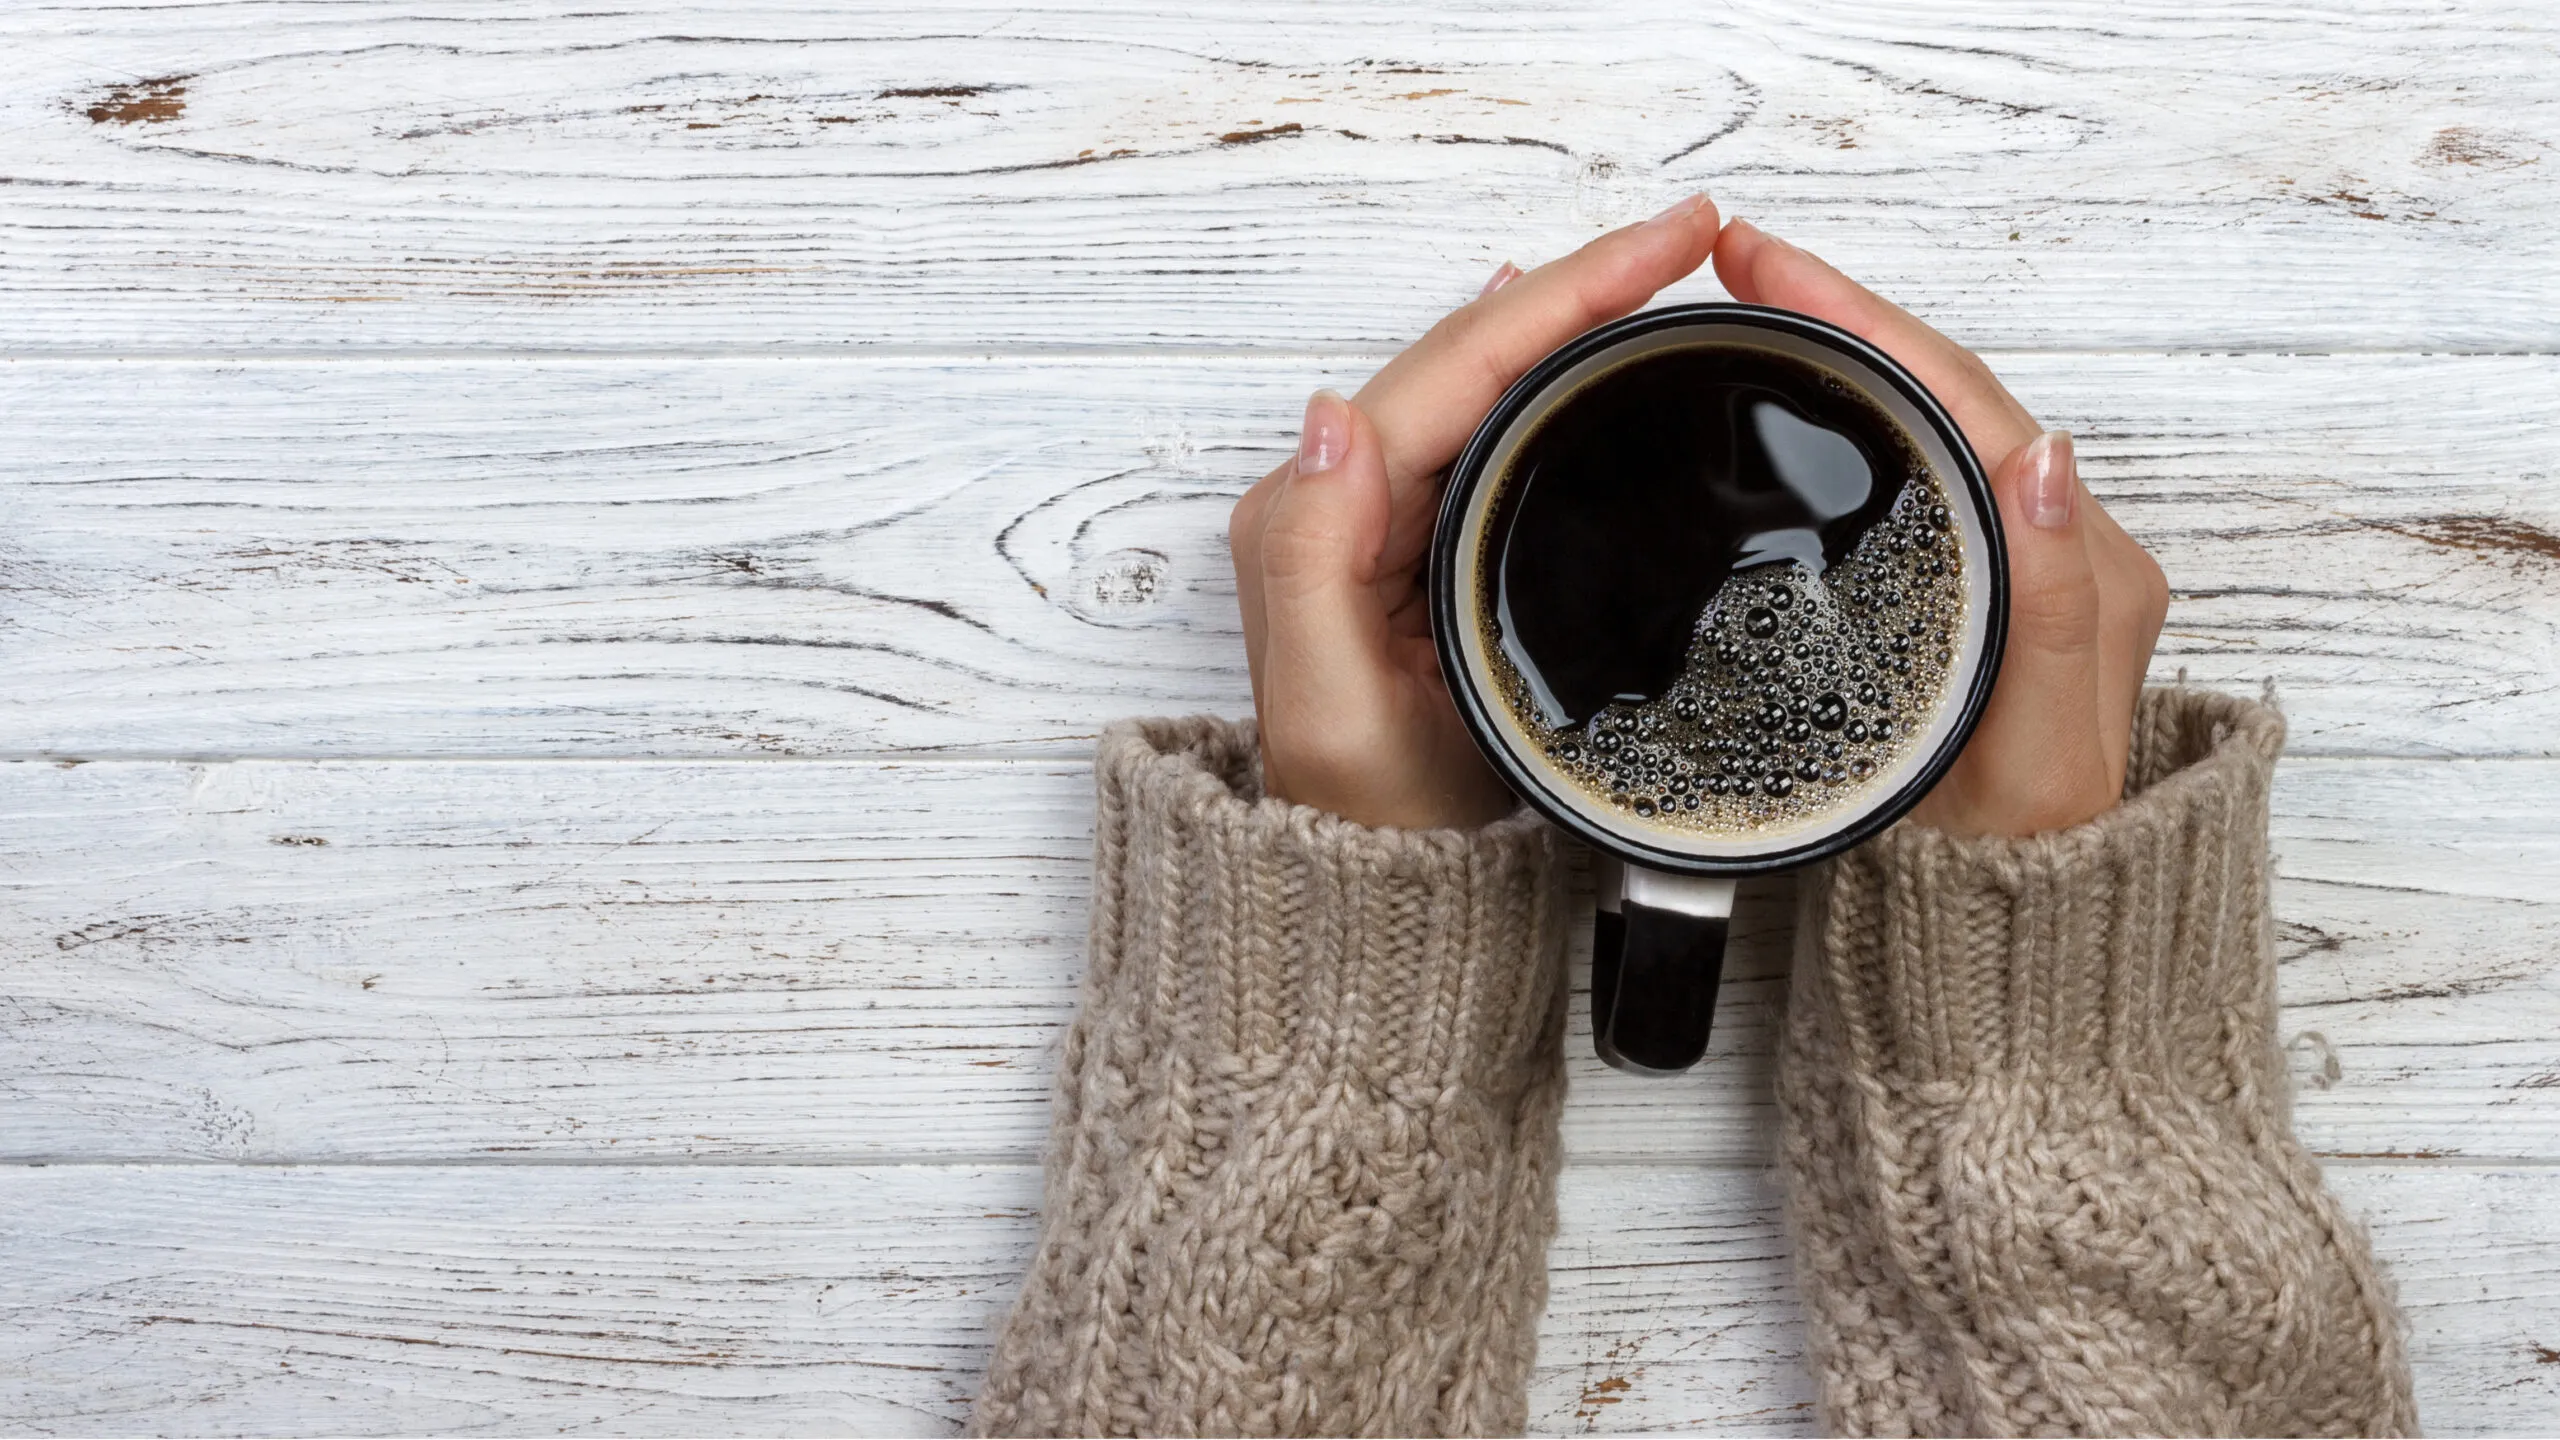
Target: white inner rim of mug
1877 789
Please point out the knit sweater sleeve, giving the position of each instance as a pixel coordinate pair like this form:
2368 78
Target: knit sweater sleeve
2040 1166
1303 1145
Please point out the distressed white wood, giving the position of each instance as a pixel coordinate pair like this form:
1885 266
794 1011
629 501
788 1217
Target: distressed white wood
754 556
802 1299
985 550
835 960
670 175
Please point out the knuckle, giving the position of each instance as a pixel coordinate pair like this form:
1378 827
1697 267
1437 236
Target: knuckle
1461 329
1254 508
2057 613
1299 546
2155 589
1243 521
1607 261
2137 592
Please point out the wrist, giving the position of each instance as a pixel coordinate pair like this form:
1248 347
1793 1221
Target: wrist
1459 804
1384 777
2021 801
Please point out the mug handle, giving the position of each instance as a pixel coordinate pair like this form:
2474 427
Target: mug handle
1657 956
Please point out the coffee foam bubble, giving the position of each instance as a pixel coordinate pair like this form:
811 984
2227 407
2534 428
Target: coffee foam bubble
1800 692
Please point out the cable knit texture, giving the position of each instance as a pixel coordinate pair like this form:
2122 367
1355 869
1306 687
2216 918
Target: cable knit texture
1302 1167
2040 1167
2032 1116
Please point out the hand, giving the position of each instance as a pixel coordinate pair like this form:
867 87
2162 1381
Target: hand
2085 601
1329 547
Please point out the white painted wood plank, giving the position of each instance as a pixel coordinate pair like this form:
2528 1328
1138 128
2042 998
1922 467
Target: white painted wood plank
794 1299
659 175
507 1299
672 558
1649 1295
829 960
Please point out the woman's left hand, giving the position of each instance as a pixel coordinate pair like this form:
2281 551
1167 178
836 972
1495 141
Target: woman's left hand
2086 601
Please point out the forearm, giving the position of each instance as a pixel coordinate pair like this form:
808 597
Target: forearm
1302 1160
2039 1158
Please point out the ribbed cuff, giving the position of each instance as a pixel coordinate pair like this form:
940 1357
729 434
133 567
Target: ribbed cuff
1271 934
2135 943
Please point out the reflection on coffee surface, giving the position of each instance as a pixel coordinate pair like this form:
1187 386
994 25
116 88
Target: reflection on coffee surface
1721 588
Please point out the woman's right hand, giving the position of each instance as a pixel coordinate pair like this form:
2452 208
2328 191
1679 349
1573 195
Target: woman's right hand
1329 547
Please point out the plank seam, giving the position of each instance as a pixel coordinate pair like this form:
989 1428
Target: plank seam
1064 354
993 1161
897 759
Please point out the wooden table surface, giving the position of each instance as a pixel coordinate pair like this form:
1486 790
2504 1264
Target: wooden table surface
560 565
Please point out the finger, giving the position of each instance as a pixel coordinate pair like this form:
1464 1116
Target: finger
2133 604
1244 548
1426 401
2043 723
1758 268
1325 635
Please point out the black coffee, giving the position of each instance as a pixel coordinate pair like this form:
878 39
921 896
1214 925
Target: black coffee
1722 587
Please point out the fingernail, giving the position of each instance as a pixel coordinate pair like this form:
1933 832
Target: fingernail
1504 276
1681 210
2052 480
1327 437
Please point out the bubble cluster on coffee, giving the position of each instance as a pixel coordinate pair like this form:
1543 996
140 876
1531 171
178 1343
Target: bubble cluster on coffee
1798 688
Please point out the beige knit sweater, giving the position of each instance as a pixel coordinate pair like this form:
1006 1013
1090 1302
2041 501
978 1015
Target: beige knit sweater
2040 1172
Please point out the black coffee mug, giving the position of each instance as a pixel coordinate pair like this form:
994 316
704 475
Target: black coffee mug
1665 895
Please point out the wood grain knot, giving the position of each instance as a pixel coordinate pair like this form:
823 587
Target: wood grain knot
1117 582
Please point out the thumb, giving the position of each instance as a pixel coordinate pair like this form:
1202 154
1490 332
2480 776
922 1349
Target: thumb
1325 628
2043 720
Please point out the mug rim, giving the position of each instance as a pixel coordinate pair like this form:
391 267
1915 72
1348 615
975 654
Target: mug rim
1467 476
